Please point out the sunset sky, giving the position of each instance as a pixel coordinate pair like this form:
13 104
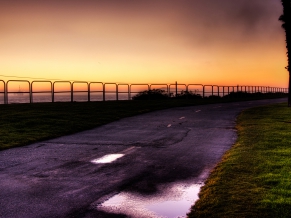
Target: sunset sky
225 42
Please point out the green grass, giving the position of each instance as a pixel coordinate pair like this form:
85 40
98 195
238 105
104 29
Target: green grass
254 177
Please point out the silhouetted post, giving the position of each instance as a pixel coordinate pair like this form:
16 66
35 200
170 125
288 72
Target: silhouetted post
72 92
53 93
176 89
116 92
30 93
286 19
104 92
5 94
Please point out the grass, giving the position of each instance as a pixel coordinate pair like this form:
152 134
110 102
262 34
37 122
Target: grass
254 177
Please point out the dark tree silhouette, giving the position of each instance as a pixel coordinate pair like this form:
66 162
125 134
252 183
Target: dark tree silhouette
286 19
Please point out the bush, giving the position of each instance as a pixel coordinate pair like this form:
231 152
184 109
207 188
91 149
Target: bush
154 94
162 94
238 95
159 94
214 97
188 95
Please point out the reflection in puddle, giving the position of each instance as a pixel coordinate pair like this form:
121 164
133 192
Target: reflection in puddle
107 158
175 201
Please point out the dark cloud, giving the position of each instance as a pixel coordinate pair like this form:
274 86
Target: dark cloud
207 21
227 21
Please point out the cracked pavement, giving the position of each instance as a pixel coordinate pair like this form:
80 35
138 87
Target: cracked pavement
57 178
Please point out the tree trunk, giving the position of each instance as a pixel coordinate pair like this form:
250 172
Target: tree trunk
289 88
286 19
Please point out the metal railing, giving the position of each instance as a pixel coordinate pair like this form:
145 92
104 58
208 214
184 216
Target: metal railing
52 89
136 91
3 91
91 90
41 91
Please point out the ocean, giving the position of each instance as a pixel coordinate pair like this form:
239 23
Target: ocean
16 98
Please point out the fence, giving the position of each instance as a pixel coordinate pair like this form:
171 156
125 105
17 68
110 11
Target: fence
34 91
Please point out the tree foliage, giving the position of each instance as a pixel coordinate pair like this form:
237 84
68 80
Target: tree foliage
286 19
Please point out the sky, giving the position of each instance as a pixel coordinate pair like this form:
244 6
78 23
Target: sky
214 42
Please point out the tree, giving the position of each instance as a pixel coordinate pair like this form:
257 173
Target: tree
286 19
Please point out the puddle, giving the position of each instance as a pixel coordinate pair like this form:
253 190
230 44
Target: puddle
107 158
171 202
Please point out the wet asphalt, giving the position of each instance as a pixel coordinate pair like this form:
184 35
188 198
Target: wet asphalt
57 178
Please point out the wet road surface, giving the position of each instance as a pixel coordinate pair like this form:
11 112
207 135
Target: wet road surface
71 175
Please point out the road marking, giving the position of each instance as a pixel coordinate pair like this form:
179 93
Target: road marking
197 111
107 158
169 125
181 118
128 149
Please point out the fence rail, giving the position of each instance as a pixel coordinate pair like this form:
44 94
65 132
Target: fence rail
8 90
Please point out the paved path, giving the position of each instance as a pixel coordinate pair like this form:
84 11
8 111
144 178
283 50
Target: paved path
57 178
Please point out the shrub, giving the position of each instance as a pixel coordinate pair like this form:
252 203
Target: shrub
153 94
188 95
238 95
214 97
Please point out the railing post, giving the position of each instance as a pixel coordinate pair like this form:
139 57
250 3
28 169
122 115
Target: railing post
116 92
53 93
30 93
72 94
104 91
4 87
89 92
5 94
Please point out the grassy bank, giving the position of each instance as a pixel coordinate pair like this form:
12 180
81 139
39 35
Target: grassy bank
254 177
22 124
